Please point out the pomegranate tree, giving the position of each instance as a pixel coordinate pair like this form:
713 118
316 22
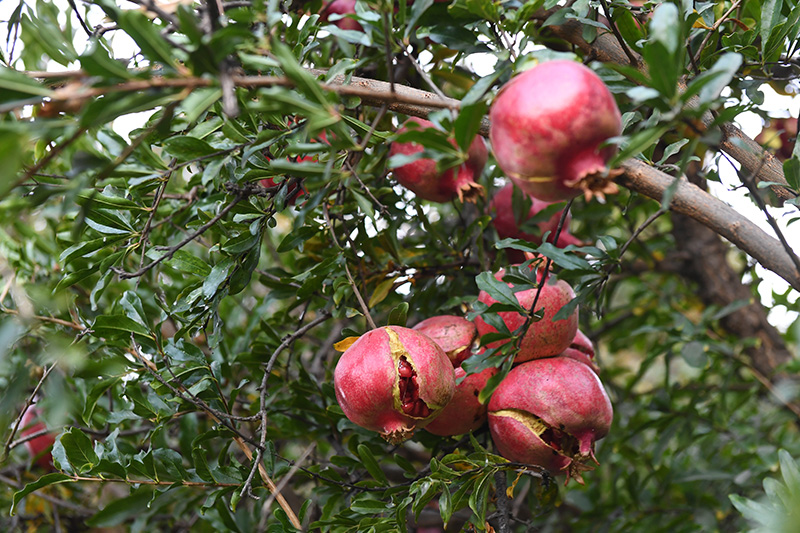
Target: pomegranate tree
453 334
547 125
422 178
549 412
546 337
464 413
393 380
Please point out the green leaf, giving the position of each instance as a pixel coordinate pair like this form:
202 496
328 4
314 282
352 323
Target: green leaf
479 499
297 237
186 148
694 353
638 143
791 171
770 16
116 325
369 462
381 292
147 35
499 290
468 123
123 509
398 316
44 481
78 449
94 395
188 262
216 277
16 85
665 27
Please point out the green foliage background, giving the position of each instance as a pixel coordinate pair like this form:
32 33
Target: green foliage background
141 364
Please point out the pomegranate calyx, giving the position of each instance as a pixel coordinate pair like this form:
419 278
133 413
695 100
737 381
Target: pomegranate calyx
598 184
469 192
398 436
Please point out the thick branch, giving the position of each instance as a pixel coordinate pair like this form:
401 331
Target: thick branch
713 213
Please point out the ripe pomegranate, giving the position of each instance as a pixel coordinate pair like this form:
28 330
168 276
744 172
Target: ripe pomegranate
508 227
582 350
454 334
546 127
38 447
464 413
422 179
393 380
549 412
341 7
545 338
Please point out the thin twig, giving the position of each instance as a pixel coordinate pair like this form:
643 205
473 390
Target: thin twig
172 249
28 403
361 302
714 28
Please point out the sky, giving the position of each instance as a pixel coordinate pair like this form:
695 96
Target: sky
483 64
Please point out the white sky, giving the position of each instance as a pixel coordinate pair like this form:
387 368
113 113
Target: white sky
482 64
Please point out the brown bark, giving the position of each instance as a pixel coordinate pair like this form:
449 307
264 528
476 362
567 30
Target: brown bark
705 262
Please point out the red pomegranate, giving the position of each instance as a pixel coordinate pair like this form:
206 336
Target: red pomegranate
464 413
39 447
545 338
422 179
454 334
508 227
546 127
549 412
582 350
393 380
341 7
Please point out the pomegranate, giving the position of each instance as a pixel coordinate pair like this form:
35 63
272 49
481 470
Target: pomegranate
341 7
546 127
549 412
38 447
422 179
464 413
454 334
545 338
582 350
393 380
508 227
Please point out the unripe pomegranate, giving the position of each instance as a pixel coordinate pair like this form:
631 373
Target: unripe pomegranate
549 412
453 334
545 338
508 227
393 380
582 350
341 7
546 127
39 448
464 413
422 179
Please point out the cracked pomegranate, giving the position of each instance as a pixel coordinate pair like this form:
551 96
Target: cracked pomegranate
547 125
549 412
393 380
422 179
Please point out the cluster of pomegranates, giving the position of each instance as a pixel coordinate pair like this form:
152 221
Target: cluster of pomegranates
549 128
547 411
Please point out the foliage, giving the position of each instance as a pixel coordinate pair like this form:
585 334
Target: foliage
179 299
